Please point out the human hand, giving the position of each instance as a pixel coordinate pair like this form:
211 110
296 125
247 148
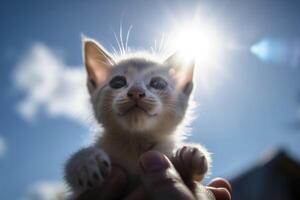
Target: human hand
160 180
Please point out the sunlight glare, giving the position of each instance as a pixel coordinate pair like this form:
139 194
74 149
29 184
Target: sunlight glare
203 43
200 42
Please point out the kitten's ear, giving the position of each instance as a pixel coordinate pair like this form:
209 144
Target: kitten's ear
182 71
98 63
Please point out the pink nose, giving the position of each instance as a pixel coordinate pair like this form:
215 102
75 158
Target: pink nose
136 93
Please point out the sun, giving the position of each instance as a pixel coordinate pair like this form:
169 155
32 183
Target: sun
195 40
204 43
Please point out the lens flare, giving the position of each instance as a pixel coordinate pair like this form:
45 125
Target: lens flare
278 51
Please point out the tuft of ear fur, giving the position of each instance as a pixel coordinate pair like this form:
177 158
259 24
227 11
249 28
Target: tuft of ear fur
182 71
98 63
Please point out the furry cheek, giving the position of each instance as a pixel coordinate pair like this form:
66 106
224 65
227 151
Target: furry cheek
154 105
174 109
103 105
120 105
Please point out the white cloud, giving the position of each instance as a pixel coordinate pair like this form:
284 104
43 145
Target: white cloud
50 86
2 147
46 190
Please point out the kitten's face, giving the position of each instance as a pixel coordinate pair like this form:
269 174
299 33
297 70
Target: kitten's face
138 95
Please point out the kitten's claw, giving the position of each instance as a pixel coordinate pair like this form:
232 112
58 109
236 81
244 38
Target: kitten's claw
191 163
87 169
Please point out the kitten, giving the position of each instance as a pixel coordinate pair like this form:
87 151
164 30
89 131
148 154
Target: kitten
140 101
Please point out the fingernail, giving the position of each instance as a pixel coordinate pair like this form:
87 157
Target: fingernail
153 161
199 162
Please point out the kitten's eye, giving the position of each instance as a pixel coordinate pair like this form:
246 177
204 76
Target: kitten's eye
118 82
158 83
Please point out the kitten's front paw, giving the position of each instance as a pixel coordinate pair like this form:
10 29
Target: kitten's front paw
191 163
86 169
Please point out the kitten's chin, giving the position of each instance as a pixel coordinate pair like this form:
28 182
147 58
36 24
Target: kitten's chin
136 111
137 120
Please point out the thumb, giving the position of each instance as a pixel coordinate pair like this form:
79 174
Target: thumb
160 179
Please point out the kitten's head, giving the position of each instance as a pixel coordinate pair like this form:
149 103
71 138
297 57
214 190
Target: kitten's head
137 94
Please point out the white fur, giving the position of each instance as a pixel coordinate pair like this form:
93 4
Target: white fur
84 167
127 136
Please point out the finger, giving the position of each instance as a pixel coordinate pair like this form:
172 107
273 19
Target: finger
220 193
160 179
220 183
111 190
138 194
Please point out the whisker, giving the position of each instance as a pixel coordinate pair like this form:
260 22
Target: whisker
162 40
119 46
152 102
115 52
122 101
121 37
152 50
127 37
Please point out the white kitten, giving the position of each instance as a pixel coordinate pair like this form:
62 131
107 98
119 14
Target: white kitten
139 101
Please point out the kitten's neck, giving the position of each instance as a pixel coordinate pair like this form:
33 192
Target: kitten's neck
135 142
157 134
125 149
124 136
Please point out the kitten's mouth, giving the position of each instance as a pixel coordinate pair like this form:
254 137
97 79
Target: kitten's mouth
136 109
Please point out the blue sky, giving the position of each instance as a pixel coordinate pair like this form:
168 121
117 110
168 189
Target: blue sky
247 107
